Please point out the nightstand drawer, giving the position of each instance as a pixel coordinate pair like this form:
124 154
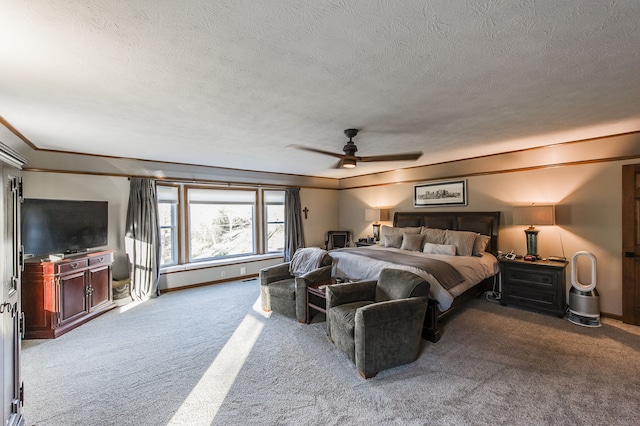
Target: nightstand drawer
525 295
541 279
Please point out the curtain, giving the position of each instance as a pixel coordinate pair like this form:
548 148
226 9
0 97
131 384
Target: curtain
293 234
142 239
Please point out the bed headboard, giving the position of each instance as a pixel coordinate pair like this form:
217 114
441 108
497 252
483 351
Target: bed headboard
486 223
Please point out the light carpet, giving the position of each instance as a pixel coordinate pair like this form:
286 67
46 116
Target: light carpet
210 356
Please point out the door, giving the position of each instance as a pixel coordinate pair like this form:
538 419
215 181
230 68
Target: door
100 293
72 297
10 307
631 244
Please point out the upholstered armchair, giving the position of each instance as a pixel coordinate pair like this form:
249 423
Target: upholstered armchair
378 324
283 287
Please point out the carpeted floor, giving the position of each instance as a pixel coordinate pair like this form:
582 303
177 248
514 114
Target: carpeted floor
209 355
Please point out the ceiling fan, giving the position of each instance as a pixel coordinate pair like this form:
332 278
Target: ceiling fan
348 160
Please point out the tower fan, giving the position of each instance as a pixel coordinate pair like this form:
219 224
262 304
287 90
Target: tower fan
584 308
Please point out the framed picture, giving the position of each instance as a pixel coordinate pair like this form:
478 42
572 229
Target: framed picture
440 194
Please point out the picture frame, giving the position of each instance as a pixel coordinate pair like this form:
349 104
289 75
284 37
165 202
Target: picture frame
446 193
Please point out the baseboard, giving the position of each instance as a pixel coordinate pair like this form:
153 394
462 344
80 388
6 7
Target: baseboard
612 316
226 280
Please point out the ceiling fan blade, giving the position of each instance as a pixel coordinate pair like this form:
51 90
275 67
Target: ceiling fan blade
318 151
391 157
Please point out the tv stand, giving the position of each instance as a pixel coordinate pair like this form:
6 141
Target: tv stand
58 296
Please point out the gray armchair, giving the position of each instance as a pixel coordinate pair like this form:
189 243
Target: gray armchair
285 293
378 324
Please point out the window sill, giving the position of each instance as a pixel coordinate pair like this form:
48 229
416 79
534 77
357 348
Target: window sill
221 262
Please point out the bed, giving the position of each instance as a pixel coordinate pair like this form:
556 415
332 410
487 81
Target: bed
454 279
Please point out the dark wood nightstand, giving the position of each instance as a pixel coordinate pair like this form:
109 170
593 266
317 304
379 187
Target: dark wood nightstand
538 285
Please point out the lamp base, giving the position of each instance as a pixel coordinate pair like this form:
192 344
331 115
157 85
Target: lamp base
532 244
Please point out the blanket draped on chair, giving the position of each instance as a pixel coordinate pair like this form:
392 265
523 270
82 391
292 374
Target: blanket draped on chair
305 260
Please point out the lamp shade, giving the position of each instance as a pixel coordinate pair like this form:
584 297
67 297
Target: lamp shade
374 215
534 215
371 215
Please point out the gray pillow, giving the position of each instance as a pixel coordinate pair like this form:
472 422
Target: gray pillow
390 230
480 244
394 241
412 242
433 235
463 240
439 249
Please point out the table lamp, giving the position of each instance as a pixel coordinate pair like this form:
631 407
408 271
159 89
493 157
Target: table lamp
533 215
375 215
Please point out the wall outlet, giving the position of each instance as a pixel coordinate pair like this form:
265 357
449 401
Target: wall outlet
243 270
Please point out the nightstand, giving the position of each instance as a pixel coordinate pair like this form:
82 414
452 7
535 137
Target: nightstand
538 285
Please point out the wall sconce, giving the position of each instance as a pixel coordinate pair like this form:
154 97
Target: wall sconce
533 215
375 215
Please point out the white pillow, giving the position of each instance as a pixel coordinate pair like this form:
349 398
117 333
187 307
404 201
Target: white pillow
439 249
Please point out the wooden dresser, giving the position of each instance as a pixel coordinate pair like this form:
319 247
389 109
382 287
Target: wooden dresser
59 296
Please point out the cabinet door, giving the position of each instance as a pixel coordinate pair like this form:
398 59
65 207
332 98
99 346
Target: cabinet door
73 297
100 285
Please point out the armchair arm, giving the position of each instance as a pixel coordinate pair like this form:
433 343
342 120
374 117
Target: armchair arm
322 274
274 273
388 334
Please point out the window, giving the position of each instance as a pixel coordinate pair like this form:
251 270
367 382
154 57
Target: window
221 223
274 219
168 218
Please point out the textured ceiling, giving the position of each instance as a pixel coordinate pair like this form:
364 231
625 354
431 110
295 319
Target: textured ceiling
233 83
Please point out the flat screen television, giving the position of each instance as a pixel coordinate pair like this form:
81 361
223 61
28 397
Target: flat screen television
62 226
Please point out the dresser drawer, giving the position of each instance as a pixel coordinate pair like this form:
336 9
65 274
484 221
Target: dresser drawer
71 266
103 259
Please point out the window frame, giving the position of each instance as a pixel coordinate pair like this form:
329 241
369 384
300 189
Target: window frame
265 205
175 225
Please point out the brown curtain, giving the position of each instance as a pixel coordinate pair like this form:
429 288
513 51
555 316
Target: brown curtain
142 239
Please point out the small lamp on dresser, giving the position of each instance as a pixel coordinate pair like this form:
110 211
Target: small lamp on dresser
533 215
376 215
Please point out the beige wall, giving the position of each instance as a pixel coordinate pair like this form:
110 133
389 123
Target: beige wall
322 216
588 208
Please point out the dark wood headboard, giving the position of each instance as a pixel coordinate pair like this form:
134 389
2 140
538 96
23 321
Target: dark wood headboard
486 223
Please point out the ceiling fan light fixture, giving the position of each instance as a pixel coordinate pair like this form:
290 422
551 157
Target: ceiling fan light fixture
348 163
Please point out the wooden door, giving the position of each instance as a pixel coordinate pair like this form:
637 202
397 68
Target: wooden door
631 244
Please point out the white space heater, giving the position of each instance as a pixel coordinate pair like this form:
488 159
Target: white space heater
584 302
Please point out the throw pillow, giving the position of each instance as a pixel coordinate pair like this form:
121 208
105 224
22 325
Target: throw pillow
394 241
439 249
412 242
480 244
390 230
463 240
